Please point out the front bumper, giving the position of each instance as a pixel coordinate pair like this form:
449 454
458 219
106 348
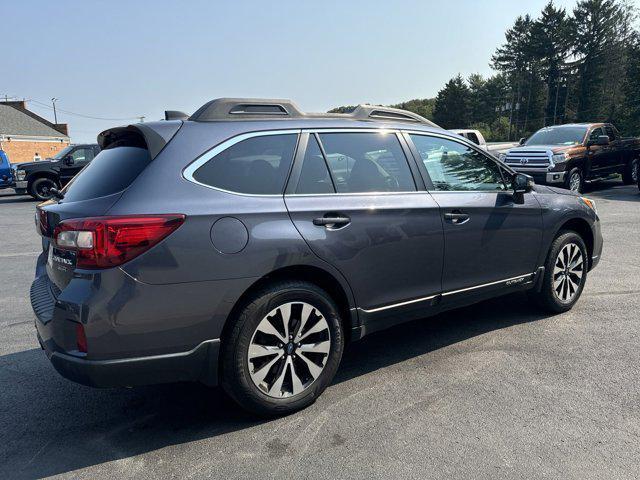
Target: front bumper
543 177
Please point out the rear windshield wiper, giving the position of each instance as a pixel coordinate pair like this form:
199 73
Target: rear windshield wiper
57 193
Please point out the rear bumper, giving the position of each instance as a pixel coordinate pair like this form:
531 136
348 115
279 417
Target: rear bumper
137 334
21 185
199 364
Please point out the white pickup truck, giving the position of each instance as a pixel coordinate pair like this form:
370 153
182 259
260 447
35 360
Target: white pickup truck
476 137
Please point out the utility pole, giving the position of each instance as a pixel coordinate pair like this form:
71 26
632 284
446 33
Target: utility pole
55 114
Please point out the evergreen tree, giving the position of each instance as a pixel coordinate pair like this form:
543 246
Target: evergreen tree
551 38
451 108
600 28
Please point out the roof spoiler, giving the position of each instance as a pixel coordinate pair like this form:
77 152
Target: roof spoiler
262 108
152 135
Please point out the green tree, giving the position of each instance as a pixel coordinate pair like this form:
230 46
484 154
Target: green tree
551 41
451 108
601 28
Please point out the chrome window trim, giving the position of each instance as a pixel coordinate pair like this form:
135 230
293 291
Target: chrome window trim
189 170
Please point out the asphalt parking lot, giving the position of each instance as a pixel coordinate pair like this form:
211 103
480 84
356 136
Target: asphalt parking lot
494 391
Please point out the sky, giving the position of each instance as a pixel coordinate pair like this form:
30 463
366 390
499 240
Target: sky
119 60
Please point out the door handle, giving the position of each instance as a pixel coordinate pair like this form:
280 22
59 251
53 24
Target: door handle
332 220
456 217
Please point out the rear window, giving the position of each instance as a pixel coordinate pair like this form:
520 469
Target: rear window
111 171
257 165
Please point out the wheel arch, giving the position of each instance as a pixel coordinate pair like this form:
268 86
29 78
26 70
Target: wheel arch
36 176
582 228
337 289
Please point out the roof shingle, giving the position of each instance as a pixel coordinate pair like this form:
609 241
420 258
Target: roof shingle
15 122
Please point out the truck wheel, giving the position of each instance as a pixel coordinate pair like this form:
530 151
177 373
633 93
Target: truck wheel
41 188
575 180
565 273
630 174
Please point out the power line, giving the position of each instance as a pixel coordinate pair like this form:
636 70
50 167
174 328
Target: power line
91 117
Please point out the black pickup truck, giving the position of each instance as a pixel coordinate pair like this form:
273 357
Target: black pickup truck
38 178
569 155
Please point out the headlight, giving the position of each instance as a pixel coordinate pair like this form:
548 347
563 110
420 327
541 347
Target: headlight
20 175
589 203
559 158
502 156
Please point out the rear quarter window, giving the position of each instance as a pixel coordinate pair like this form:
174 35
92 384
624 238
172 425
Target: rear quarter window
111 171
258 165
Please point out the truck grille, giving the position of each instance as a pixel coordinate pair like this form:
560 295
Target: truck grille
528 159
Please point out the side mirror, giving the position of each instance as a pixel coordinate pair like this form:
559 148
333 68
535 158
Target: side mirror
602 140
522 183
522 140
68 160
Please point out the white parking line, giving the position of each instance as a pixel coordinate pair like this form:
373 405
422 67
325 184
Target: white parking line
24 254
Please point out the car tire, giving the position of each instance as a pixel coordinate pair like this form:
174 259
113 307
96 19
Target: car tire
565 274
631 172
575 180
282 381
40 188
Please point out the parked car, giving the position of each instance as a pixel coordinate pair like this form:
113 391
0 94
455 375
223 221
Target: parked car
476 137
569 155
248 244
6 173
39 178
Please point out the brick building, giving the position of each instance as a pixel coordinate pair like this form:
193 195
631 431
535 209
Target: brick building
25 135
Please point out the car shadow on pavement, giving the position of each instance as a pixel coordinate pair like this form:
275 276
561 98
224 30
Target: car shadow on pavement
613 190
6 199
52 426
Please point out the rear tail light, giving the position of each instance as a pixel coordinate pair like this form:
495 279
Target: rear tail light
103 242
42 223
81 338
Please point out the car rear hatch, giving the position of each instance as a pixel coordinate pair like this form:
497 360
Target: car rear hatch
126 152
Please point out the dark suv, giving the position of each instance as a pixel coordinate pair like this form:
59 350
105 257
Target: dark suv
246 244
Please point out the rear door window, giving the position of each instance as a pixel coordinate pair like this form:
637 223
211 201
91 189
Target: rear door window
111 171
473 137
610 132
314 176
367 162
258 165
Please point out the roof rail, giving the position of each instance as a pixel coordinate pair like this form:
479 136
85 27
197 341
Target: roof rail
377 112
246 108
261 108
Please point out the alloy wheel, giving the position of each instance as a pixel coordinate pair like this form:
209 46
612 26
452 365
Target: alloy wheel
289 349
574 182
635 167
568 272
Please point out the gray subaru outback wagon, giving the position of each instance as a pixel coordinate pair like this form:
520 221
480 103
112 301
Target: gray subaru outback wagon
246 244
